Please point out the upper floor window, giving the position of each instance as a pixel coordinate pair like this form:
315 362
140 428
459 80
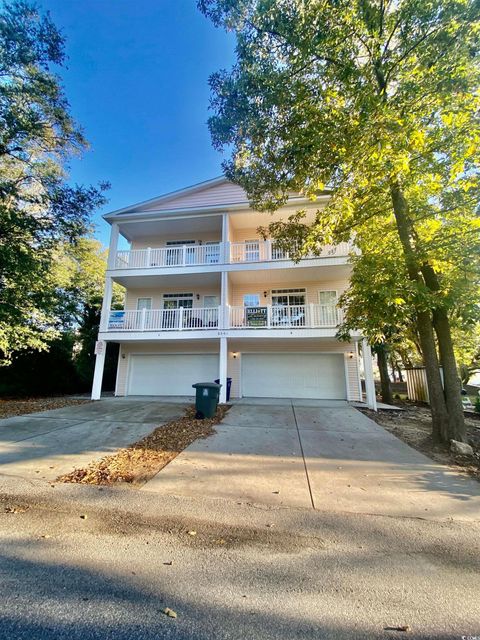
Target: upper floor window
177 300
327 298
251 300
288 297
144 303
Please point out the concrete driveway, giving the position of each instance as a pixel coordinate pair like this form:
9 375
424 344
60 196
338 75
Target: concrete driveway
316 454
51 443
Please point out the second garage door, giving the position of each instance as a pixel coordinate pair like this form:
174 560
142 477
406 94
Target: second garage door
170 375
293 375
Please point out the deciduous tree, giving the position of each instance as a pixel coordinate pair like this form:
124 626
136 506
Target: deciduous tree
378 100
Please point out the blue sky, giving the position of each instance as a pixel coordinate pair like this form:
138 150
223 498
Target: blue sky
137 82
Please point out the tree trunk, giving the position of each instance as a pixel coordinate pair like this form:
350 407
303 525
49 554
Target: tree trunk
386 387
451 380
438 406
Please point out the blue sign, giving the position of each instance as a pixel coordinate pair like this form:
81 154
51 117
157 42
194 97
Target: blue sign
116 319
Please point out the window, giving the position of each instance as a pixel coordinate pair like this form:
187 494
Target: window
144 303
175 253
177 300
288 307
328 308
251 300
327 297
210 301
288 297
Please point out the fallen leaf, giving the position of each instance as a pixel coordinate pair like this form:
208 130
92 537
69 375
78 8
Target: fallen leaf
399 628
192 533
83 516
169 612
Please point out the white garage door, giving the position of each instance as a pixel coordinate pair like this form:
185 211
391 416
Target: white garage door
170 375
293 375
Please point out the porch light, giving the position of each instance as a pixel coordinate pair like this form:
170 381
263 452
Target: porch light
234 354
350 355
265 294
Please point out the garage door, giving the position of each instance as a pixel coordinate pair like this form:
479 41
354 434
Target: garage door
170 375
293 375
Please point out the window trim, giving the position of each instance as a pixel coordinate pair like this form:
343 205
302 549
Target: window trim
246 306
335 291
144 298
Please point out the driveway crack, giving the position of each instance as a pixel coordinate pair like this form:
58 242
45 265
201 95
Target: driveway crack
303 457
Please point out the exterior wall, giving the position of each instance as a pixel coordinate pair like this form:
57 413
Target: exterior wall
132 295
237 291
235 363
127 349
225 193
157 242
293 346
242 235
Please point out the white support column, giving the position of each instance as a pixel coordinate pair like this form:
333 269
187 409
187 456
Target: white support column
369 381
98 373
225 238
112 251
224 321
222 369
359 380
106 303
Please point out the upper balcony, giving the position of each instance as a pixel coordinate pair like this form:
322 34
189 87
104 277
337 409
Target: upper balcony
221 254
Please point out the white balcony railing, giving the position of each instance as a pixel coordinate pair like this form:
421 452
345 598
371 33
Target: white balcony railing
285 317
178 256
217 253
262 317
164 319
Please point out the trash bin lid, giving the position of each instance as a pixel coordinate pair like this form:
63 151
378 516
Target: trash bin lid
211 385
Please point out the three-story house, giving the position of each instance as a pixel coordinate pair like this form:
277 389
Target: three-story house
208 298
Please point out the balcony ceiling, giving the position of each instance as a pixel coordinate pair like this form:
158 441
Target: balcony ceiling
254 219
157 228
292 275
184 282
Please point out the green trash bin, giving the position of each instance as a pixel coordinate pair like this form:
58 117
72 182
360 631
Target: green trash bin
207 395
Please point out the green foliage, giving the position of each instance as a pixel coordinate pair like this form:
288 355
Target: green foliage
362 96
39 212
42 373
477 404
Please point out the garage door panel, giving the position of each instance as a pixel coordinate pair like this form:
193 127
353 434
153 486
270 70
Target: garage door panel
293 375
170 375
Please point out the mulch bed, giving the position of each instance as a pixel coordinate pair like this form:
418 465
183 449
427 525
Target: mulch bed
10 407
140 461
413 425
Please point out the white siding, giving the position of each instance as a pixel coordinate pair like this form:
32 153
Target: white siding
237 291
157 295
226 193
294 345
157 242
184 346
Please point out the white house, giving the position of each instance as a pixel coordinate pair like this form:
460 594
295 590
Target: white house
207 297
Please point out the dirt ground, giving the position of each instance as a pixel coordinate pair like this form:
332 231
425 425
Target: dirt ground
413 425
10 407
142 460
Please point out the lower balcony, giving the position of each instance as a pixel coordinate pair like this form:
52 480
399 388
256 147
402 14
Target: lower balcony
308 316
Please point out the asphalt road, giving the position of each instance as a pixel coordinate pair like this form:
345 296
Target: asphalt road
247 572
